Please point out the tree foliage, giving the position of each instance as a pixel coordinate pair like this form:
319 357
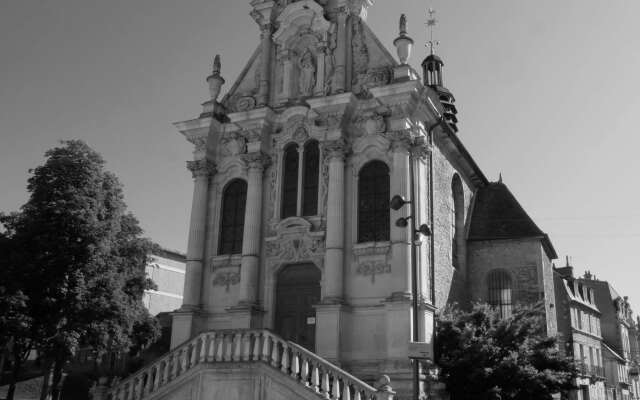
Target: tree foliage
78 258
482 356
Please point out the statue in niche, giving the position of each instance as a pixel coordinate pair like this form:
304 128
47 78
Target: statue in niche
307 79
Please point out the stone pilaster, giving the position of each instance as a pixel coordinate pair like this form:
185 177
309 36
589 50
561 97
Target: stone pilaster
265 68
400 237
201 170
256 163
334 255
339 79
182 328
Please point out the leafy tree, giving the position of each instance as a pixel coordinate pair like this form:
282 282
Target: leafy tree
482 356
82 260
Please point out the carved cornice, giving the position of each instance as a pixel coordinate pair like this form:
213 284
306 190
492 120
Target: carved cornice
201 168
256 161
200 142
400 140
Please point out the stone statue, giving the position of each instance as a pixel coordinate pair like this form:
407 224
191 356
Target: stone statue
403 24
307 79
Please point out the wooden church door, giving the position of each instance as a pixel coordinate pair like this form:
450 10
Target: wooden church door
297 290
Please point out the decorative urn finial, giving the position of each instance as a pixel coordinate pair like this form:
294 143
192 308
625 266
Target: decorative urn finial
215 80
403 43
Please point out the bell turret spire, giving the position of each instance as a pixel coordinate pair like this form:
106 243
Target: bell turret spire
433 76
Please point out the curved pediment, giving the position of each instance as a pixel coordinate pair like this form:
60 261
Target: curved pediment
305 14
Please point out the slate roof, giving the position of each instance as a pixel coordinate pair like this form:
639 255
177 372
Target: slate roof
497 215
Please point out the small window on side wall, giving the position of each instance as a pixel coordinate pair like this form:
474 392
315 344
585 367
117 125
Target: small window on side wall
500 292
373 202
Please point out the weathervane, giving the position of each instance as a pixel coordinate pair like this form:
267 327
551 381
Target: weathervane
431 22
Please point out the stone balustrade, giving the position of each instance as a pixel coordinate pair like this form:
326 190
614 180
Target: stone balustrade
249 346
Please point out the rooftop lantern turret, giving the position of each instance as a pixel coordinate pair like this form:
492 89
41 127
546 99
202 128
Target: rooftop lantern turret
433 77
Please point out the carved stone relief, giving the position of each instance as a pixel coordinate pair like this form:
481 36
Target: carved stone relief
373 268
232 144
226 279
294 242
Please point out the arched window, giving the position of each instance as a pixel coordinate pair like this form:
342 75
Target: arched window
500 289
373 202
234 199
457 220
310 178
290 182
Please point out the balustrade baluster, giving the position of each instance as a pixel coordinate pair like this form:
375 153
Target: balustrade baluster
315 379
211 347
275 355
159 376
184 356
237 353
304 373
335 388
220 347
295 364
127 390
148 386
204 340
193 360
265 347
228 345
167 370
175 365
346 393
284 364
246 346
138 388
326 385
257 339
357 395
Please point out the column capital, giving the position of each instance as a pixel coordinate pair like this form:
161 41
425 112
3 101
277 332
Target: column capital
420 148
256 161
201 168
336 149
400 140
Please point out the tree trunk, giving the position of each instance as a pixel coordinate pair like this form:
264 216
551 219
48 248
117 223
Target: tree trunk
56 384
46 377
15 372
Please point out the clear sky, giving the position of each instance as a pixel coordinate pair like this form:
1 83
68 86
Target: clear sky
548 93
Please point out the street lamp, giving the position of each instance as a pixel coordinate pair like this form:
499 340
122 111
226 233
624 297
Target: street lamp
397 202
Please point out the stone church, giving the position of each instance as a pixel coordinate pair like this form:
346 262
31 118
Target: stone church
299 279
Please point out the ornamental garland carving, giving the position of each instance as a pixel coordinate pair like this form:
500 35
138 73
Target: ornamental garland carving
369 123
373 268
200 142
400 140
226 279
292 248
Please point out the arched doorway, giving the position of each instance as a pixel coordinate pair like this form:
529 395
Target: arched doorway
297 290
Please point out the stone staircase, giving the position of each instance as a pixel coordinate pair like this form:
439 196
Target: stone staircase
291 362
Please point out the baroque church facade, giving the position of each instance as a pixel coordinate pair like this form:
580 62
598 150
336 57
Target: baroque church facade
299 276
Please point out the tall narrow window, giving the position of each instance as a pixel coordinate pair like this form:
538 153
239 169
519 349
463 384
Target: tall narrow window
310 178
373 202
457 220
500 288
290 181
234 199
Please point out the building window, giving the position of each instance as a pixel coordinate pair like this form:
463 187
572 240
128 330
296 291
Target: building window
234 199
290 181
457 220
310 178
373 202
300 180
500 288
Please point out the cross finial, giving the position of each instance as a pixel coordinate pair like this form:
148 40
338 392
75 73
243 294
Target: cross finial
431 23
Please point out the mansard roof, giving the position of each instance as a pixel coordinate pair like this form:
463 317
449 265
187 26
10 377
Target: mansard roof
498 215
